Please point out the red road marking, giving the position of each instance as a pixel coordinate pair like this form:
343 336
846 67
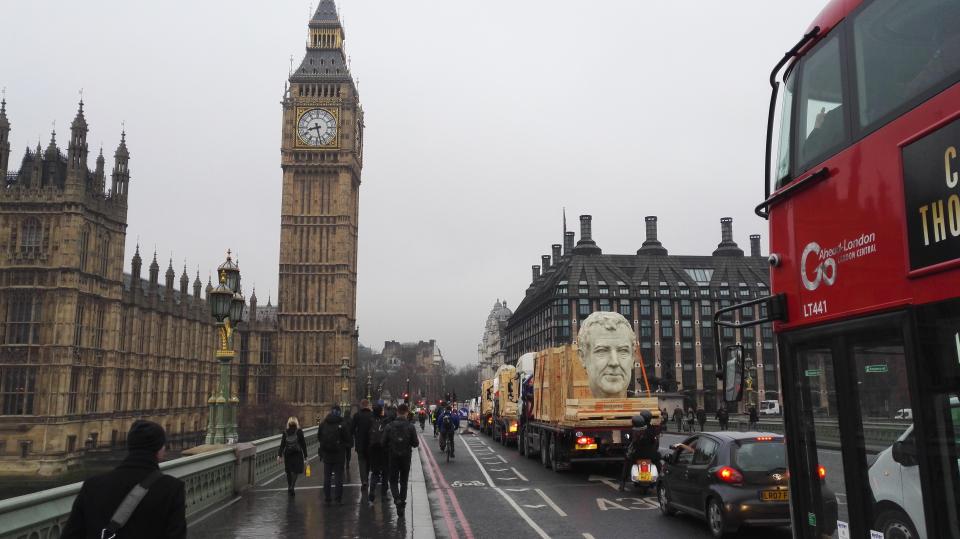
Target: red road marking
443 501
434 467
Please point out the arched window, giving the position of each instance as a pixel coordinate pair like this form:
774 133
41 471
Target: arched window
104 253
31 235
84 246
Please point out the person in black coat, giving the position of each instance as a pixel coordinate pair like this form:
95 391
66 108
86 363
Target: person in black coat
360 429
161 513
334 438
293 453
375 456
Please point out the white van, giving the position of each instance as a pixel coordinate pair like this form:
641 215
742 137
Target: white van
769 408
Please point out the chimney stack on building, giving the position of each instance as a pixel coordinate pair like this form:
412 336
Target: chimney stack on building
536 272
568 238
755 245
545 262
557 252
651 246
727 246
586 245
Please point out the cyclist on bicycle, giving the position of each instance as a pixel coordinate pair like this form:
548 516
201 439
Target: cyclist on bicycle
449 422
434 415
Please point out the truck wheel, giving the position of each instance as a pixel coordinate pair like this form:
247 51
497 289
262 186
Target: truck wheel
894 523
544 451
554 454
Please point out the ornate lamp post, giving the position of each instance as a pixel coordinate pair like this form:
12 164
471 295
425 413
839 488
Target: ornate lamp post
368 386
226 306
344 388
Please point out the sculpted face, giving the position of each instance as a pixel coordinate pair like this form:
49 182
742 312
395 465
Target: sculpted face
606 350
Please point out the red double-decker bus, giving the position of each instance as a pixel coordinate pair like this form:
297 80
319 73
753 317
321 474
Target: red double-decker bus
863 200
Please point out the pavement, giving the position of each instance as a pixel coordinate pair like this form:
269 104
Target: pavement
268 511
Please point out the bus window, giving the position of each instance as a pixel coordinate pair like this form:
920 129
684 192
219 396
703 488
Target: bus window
782 172
820 117
904 51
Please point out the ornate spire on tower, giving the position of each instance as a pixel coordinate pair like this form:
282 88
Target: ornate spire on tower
4 136
77 149
197 285
121 170
154 271
184 282
135 268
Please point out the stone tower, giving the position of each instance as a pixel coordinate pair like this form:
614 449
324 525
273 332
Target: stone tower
321 158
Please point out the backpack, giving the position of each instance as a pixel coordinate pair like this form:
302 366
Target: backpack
400 438
293 444
375 435
447 423
330 437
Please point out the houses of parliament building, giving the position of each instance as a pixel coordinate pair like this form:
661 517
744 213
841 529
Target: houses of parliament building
86 348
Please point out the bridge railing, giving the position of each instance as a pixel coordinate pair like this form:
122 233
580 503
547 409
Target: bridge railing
211 478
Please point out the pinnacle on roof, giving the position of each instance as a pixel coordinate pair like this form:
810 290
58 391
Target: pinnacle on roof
79 121
52 147
136 254
197 282
326 13
155 265
122 148
3 113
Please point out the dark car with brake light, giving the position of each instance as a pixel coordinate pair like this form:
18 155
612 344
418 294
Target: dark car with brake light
732 479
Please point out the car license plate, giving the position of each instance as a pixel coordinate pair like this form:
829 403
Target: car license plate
645 477
774 495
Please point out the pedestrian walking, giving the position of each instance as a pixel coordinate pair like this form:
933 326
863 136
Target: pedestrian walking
723 417
347 424
664 420
678 418
334 439
375 452
389 416
754 418
701 418
422 416
400 438
360 431
160 513
293 453
691 418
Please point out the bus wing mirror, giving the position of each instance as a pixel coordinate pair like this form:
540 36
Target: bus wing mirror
733 373
904 453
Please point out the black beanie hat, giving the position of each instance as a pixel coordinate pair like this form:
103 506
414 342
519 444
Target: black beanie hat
146 436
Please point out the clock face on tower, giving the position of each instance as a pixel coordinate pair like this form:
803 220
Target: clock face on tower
317 127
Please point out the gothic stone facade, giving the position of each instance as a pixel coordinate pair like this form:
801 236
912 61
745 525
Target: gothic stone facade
669 299
321 155
85 349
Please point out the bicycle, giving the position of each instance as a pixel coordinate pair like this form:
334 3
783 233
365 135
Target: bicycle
449 448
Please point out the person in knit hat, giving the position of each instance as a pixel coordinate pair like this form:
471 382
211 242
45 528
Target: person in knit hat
161 513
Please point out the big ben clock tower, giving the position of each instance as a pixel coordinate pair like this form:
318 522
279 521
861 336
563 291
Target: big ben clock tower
321 158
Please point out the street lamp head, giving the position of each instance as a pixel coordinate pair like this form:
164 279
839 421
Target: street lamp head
236 308
229 273
221 298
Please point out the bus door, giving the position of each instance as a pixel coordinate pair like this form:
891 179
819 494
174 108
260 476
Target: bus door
849 381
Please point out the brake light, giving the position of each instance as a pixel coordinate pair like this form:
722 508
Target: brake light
764 438
513 426
729 475
586 442
821 472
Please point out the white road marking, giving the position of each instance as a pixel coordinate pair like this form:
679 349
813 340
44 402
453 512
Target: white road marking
523 514
609 481
588 536
534 506
499 469
506 479
520 475
517 489
554 506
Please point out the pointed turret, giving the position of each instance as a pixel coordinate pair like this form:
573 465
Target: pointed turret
169 277
208 289
77 149
184 282
197 285
253 305
121 172
325 58
4 139
154 272
52 152
135 269
99 176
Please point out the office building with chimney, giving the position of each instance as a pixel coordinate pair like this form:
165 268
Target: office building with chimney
669 299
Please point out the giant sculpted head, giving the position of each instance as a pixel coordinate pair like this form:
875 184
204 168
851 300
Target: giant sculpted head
605 345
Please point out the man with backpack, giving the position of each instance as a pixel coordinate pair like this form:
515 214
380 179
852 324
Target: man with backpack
422 415
375 452
400 437
449 423
360 430
159 507
334 438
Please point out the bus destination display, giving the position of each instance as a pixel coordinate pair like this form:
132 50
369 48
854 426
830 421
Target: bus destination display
931 177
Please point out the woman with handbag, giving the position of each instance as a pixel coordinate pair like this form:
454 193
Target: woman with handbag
293 453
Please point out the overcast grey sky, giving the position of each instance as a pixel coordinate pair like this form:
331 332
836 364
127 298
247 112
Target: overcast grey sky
484 119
